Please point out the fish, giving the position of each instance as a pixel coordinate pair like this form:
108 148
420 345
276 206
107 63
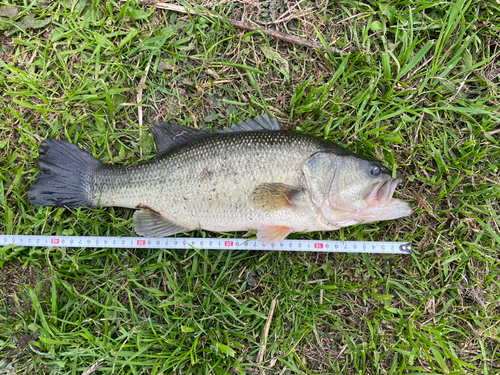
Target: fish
252 176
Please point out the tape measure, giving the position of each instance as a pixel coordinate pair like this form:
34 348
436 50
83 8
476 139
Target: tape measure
370 247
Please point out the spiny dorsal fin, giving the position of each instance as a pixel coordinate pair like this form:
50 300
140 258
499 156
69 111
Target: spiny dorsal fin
148 223
270 197
168 135
255 124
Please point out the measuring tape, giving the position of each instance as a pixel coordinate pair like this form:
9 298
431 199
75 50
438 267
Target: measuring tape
369 247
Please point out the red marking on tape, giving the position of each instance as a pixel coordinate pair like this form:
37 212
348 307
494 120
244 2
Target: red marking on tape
318 245
141 242
228 243
54 241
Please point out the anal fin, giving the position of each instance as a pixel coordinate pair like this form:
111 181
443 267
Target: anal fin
270 197
269 234
148 223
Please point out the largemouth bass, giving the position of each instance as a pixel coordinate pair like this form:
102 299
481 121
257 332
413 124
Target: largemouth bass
253 175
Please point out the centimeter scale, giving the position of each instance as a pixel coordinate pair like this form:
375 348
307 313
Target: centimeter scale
369 247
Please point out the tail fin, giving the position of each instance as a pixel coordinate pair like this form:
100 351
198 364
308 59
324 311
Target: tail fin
65 176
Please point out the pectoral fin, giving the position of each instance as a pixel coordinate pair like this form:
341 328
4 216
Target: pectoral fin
268 234
270 197
148 223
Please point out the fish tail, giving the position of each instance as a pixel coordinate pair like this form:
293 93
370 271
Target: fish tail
65 176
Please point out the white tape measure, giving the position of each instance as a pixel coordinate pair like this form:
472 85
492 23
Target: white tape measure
370 247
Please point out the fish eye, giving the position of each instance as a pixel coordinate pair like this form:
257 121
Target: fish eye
374 169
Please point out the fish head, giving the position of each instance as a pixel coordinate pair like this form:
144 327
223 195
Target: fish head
362 190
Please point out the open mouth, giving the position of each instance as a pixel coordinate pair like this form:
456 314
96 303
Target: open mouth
383 191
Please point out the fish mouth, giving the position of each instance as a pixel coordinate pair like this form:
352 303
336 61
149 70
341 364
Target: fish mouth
382 205
383 192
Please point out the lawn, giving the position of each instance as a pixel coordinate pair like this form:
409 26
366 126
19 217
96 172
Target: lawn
412 83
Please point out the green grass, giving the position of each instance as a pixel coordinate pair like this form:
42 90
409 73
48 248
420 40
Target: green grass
422 94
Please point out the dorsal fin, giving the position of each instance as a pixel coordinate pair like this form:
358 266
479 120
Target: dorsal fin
168 135
255 124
